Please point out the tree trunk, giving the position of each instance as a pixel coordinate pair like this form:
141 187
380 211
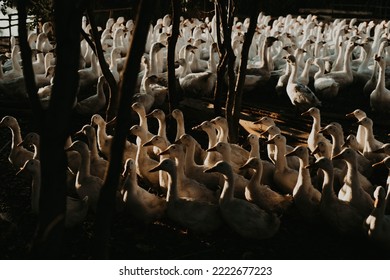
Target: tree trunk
221 70
106 203
234 127
172 40
47 242
28 71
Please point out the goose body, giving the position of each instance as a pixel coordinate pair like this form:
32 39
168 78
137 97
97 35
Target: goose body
300 95
352 190
377 224
285 178
306 197
141 204
95 103
18 155
86 184
261 194
199 216
245 218
380 96
339 214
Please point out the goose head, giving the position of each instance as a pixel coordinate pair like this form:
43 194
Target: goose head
205 126
366 122
221 167
177 114
157 113
385 161
129 166
266 121
313 111
252 162
157 141
96 119
167 165
358 113
276 139
351 142
299 151
220 121
30 139
8 121
323 163
186 140
78 146
32 165
252 139
347 154
384 149
272 130
138 108
87 130
320 149
332 129
220 147
175 150
137 130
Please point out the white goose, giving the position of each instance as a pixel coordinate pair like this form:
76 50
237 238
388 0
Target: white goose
187 187
194 170
200 154
285 178
198 216
98 164
315 136
94 103
300 95
76 209
261 194
306 197
18 155
352 190
361 131
143 162
377 224
339 214
325 87
86 184
104 140
380 96
245 218
32 140
370 143
238 155
141 204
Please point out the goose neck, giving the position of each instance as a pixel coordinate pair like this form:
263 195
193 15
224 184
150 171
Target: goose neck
381 76
327 185
304 173
190 153
281 162
255 150
256 177
227 193
85 165
180 129
93 146
16 135
172 193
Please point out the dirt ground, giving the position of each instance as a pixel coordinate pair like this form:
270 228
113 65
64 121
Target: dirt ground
296 239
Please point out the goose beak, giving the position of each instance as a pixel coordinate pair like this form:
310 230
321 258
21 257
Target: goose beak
156 168
210 170
178 141
381 150
147 144
322 130
20 171
165 152
245 166
345 145
111 121
20 144
290 154
257 122
359 122
316 150
197 128
307 113
338 156
270 141
212 149
313 165
378 163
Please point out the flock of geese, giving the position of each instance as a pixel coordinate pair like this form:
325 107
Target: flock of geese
327 179
312 61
